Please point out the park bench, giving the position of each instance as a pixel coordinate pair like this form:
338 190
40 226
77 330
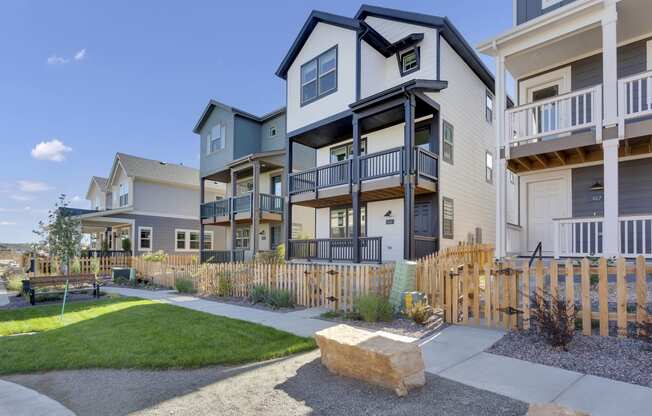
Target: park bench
57 285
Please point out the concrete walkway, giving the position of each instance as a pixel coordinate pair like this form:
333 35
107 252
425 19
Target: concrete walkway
4 298
16 400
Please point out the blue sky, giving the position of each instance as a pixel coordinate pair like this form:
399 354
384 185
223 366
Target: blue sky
134 76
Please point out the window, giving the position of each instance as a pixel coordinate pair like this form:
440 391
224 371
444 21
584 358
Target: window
145 238
242 237
319 76
208 240
489 107
447 154
194 240
447 218
422 137
276 185
408 61
272 131
489 167
345 151
342 222
188 240
274 236
216 138
547 3
181 240
124 194
97 202
297 230
244 186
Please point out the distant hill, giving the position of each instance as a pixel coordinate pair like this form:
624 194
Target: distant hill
15 247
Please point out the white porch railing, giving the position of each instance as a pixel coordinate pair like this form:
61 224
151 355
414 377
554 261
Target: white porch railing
634 97
580 237
555 116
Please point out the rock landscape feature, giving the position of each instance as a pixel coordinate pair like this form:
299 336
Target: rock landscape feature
378 358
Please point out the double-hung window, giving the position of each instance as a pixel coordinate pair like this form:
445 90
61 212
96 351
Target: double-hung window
188 240
216 138
489 167
447 150
208 240
180 240
124 194
342 222
319 76
145 238
242 237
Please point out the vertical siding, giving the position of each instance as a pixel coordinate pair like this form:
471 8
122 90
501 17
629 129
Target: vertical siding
530 9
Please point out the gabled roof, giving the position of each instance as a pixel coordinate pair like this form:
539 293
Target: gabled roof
448 31
154 170
97 181
315 17
212 104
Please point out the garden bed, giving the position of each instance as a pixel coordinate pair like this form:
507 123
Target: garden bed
245 302
400 326
621 359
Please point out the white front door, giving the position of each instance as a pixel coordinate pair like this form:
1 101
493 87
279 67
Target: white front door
546 201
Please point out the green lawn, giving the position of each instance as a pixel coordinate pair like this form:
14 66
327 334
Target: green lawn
133 333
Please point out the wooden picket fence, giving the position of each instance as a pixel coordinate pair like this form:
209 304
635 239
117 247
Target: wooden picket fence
46 266
501 294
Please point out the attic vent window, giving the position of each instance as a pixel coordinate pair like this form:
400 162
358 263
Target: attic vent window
272 131
409 60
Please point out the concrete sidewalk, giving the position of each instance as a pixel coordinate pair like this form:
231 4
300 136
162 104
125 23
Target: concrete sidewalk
4 298
457 353
16 400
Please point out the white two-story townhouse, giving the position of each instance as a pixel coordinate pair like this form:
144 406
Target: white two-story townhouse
578 138
247 154
151 203
400 112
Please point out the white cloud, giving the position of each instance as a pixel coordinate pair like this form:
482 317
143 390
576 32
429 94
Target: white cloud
80 55
53 150
33 186
76 198
16 197
57 60
7 223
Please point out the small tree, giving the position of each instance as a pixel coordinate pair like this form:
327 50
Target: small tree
61 233
553 318
126 244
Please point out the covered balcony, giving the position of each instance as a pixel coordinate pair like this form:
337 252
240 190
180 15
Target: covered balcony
219 212
336 249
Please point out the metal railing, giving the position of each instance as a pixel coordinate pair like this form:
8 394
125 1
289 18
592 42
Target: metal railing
336 249
566 113
241 203
634 97
221 256
271 203
381 164
426 163
217 208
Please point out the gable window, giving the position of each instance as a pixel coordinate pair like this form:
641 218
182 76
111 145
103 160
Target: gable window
123 194
342 222
489 167
319 76
272 131
145 238
447 218
409 60
216 138
242 237
345 151
447 150
489 107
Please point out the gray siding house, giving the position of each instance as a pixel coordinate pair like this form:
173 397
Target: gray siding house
246 153
151 203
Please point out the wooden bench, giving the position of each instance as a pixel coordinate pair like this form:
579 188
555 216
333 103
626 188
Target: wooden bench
57 285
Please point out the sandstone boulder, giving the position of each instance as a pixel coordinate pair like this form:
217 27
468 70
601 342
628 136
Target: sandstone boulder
372 357
549 409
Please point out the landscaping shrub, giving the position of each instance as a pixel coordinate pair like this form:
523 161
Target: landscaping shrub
278 298
159 256
126 245
224 285
184 286
553 319
374 308
420 313
15 282
75 266
259 294
644 329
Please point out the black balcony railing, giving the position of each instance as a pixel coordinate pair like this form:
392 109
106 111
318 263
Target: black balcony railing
221 256
336 249
218 208
242 203
271 203
372 166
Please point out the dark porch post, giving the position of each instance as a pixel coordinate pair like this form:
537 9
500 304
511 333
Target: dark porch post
201 221
234 189
355 193
287 212
255 206
408 183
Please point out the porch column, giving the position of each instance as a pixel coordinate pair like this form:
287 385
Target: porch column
610 63
287 212
502 153
409 251
355 191
255 206
201 221
610 226
234 190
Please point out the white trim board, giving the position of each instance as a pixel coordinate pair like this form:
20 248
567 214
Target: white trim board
151 237
560 77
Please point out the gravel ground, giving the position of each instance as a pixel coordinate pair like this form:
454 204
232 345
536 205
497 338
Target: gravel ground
627 360
297 385
399 326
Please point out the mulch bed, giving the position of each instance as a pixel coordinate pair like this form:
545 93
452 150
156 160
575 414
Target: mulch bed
244 302
622 359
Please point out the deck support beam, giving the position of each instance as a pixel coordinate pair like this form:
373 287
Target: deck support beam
355 192
234 191
201 221
409 251
255 207
610 226
287 212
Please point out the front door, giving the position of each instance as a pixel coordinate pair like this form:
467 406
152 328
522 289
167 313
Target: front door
546 201
424 227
